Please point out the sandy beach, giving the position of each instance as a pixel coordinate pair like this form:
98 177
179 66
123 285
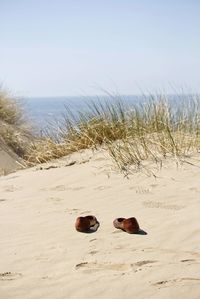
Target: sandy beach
43 256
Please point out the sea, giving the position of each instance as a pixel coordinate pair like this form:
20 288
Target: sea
46 112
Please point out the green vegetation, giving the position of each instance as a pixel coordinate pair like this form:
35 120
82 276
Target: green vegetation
131 134
153 131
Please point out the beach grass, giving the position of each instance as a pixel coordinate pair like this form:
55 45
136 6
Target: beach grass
15 130
132 134
154 130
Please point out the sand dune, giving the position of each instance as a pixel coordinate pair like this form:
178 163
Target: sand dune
43 256
9 161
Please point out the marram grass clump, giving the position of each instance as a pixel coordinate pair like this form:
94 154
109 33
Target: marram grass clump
15 131
155 130
10 111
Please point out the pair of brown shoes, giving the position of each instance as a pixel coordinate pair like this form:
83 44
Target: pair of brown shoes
90 224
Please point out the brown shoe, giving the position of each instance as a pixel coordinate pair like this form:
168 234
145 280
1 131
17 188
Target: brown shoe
118 223
129 225
86 224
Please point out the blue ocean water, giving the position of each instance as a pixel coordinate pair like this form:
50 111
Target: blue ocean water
43 111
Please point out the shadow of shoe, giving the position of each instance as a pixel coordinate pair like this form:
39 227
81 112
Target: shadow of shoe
141 232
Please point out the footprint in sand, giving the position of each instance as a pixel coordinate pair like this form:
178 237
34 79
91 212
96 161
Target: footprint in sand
77 188
2 199
141 263
162 205
93 252
94 267
182 280
119 247
102 188
188 260
56 188
59 188
90 267
72 211
154 185
75 211
55 199
64 188
141 190
9 275
92 240
11 188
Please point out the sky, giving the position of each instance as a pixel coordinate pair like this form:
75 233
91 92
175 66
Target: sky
84 47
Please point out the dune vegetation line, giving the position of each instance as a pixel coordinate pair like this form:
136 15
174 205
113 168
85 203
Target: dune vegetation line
132 134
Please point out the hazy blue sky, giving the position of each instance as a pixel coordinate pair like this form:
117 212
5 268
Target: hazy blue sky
77 47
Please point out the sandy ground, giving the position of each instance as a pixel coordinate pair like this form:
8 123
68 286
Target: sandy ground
42 256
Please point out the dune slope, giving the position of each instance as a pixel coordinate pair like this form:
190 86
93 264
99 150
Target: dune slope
42 255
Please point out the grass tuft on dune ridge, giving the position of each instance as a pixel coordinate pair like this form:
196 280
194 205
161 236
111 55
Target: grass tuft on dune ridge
154 130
